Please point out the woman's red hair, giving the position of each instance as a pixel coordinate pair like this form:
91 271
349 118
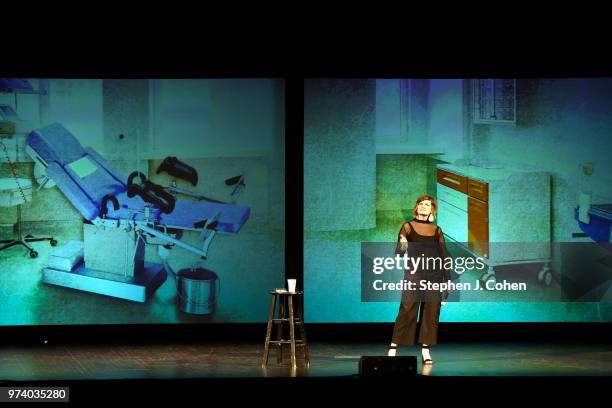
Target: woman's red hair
434 205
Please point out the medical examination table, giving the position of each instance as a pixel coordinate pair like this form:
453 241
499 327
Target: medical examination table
119 221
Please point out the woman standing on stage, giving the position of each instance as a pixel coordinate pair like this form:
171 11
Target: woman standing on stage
428 240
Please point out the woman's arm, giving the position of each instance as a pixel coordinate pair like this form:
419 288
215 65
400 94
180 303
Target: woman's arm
402 239
444 254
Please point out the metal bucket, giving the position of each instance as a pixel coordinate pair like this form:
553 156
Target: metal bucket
197 289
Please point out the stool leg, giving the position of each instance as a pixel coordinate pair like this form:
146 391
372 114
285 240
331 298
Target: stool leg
303 330
292 331
279 334
269 332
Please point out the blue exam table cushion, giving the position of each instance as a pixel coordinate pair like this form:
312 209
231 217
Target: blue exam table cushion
86 186
54 143
599 229
187 213
15 84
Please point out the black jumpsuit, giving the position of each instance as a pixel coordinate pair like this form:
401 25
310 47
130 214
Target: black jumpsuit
428 241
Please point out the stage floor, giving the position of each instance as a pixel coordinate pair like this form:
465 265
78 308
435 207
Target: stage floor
224 360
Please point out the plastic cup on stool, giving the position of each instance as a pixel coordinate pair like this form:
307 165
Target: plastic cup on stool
291 284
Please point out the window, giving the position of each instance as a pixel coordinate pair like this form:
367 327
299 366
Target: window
494 101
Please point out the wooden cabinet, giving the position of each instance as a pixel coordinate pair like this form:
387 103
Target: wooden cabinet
452 180
478 189
478 226
461 198
478 217
452 213
485 210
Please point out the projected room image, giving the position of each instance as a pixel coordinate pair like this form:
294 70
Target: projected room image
140 200
508 161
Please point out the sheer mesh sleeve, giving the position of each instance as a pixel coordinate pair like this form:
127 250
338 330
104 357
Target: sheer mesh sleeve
444 254
402 239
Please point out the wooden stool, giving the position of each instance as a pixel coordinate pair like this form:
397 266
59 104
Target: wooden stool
285 301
